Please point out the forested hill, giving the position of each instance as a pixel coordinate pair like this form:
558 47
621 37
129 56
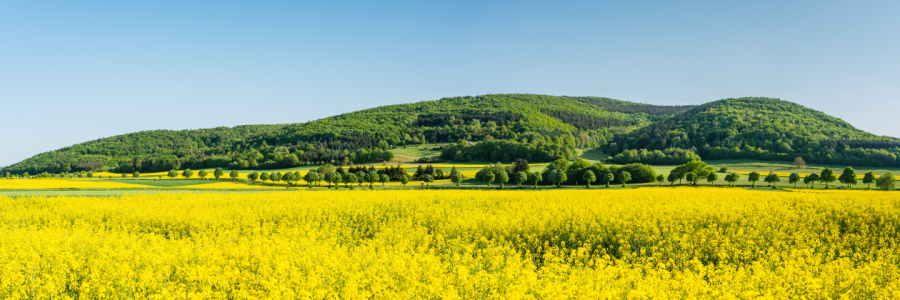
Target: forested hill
759 128
494 128
543 126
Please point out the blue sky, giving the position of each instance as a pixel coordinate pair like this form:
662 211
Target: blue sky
72 71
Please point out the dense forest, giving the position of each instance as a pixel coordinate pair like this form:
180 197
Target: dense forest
357 137
494 128
759 128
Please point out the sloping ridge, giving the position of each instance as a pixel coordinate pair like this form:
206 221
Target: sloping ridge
763 128
331 138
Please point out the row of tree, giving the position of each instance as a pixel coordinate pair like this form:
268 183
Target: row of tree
698 170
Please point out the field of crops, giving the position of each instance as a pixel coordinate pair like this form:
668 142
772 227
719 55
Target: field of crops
651 242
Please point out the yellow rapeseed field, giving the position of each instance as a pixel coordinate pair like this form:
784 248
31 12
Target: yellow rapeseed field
670 243
49 183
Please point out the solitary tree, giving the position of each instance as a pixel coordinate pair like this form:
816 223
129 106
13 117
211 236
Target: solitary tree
187 174
202 174
793 179
253 177
886 181
429 179
712 178
753 178
502 177
868 179
848 177
234 175
136 174
404 180
521 177
799 163
588 177
827 176
624 177
218 173
384 178
89 174
172 174
535 178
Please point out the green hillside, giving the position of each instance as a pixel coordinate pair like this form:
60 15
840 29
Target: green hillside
758 128
547 127
494 128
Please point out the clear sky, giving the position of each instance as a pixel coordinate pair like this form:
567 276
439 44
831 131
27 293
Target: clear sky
73 71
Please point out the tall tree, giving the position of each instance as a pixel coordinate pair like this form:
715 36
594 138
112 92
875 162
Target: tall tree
886 181
202 174
371 178
848 177
813 179
288 178
609 177
869 179
753 178
660 179
712 178
672 178
429 179
253 177
456 178
624 177
799 162
773 179
588 177
827 177
234 175
488 177
218 173
384 178
521 177
793 179
349 178
502 178
535 178
337 179
187 174
691 177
